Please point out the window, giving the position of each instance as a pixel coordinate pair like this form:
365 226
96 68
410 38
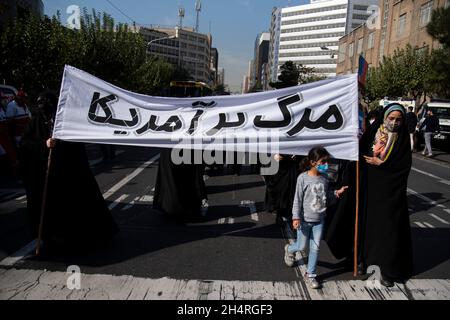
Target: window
425 13
371 40
447 4
350 50
342 53
360 45
401 24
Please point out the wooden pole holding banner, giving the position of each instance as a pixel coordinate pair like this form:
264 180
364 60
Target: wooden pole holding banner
355 250
44 200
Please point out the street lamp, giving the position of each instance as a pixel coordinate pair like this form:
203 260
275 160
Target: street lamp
157 39
328 49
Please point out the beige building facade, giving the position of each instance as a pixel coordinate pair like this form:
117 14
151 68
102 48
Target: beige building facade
182 47
401 22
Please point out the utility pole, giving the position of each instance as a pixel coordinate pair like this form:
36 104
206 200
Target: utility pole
198 8
181 15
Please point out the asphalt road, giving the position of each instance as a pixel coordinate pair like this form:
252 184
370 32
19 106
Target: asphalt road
236 241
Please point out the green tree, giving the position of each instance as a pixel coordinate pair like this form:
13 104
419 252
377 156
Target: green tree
439 25
288 77
438 78
402 75
33 52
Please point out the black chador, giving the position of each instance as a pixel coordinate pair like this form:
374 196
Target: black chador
76 214
180 188
385 226
280 187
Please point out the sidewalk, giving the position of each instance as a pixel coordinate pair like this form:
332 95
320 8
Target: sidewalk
41 284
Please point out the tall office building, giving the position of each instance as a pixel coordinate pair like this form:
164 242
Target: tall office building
188 49
309 34
260 57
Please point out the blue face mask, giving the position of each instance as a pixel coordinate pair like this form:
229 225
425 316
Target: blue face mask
322 168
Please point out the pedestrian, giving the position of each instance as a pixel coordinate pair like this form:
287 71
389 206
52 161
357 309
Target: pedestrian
312 196
180 188
280 187
18 116
76 216
411 121
429 126
384 228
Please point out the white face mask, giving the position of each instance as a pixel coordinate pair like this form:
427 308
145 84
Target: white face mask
372 121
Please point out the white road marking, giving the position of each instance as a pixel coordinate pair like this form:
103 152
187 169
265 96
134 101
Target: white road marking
117 201
430 201
146 198
429 225
230 220
12 194
19 255
153 189
419 224
221 221
439 179
24 197
129 177
130 205
439 219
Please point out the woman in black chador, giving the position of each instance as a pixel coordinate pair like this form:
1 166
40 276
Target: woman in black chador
180 188
76 215
384 229
385 232
280 187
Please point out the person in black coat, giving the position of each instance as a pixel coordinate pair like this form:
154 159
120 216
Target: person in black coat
280 187
430 126
76 216
385 232
180 188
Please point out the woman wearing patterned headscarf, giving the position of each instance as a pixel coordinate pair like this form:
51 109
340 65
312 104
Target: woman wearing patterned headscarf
385 233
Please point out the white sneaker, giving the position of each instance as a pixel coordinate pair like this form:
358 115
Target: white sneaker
289 258
312 282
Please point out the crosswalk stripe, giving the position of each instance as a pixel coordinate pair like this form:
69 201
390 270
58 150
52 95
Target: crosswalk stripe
429 225
19 255
439 219
130 205
117 201
419 224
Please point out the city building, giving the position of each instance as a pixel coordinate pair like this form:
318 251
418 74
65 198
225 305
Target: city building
214 67
401 22
261 56
183 47
246 84
309 34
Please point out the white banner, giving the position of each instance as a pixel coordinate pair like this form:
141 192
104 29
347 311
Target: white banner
286 121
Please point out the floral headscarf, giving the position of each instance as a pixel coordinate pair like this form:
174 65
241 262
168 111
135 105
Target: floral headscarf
386 137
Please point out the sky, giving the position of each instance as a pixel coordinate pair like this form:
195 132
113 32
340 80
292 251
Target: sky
233 24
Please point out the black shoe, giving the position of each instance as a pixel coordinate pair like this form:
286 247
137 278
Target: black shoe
362 270
386 282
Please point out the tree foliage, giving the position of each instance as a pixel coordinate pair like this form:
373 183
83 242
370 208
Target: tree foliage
33 52
293 75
